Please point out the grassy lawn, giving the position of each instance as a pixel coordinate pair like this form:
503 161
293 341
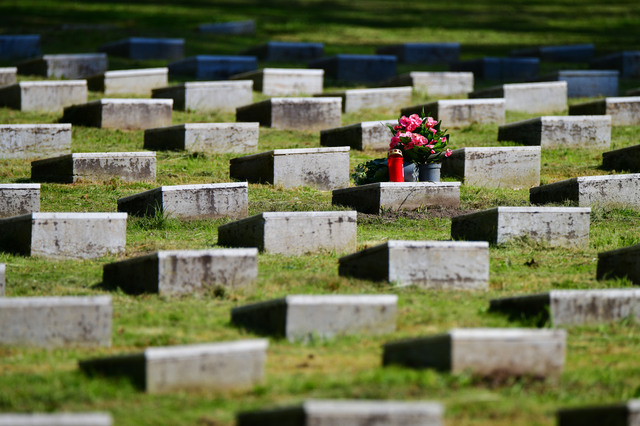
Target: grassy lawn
602 364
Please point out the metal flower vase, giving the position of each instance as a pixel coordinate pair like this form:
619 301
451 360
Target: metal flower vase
429 172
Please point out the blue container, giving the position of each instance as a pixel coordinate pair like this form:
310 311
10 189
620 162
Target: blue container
209 67
357 68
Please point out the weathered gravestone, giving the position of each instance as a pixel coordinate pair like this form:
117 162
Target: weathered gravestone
215 138
8 76
435 83
622 159
34 140
577 131
461 112
203 201
207 96
247 27
347 413
305 317
554 226
610 190
96 167
627 63
587 83
3 278
19 46
484 352
423 53
69 66
500 69
145 48
388 98
19 198
322 168
624 111
213 366
56 419
44 96
294 113
366 135
125 114
53 322
621 263
64 235
137 82
542 97
177 272
357 68
429 264
212 67
572 307
284 81
282 51
495 167
566 53
627 414
293 233
374 198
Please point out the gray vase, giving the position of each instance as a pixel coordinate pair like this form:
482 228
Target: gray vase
410 171
429 172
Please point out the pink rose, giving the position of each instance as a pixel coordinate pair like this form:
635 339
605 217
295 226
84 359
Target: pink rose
430 122
443 140
447 153
418 139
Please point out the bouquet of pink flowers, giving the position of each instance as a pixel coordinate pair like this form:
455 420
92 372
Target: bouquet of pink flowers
420 139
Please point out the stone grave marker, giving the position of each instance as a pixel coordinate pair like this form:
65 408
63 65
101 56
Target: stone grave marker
8 76
96 167
54 322
500 69
294 113
484 352
124 114
541 97
572 307
137 82
622 159
34 140
627 63
145 48
348 412
178 272
633 92
212 366
322 168
282 51
19 198
565 53
388 98
357 68
55 419
44 96
70 66
461 112
435 83
495 167
293 233
577 131
374 198
284 81
554 226
374 135
452 265
423 53
626 414
64 235
3 278
214 138
587 83
212 67
207 96
609 190
620 263
16 46
624 111
308 317
247 27
189 202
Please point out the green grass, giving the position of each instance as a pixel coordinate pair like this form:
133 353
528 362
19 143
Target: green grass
601 364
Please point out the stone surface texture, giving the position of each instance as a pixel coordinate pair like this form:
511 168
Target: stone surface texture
19 198
624 111
622 159
461 112
294 113
284 81
3 278
8 76
374 135
202 201
388 98
610 191
435 83
293 233
68 66
145 48
429 264
627 63
357 68
137 82
305 317
627 414
542 97
178 272
208 96
500 69
213 67
321 168
54 322
587 83
43 96
555 226
124 114
214 138
495 167
64 235
578 131
29 141
56 419
621 263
